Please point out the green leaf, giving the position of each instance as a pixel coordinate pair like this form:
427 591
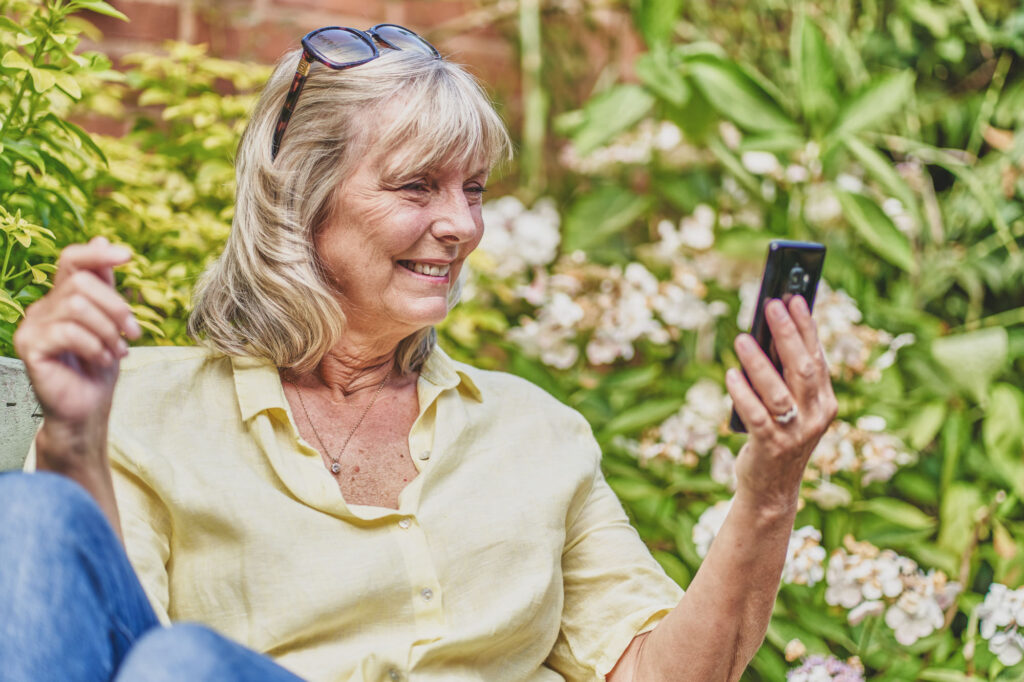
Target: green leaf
972 360
99 7
608 114
873 105
957 516
1003 428
924 424
42 79
662 77
27 152
13 60
67 83
881 169
599 214
736 96
815 71
647 413
656 19
945 675
10 310
673 566
896 511
877 230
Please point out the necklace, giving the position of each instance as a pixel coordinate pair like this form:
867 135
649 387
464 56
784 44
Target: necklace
335 465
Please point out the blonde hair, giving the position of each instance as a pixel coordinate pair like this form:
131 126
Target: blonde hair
267 294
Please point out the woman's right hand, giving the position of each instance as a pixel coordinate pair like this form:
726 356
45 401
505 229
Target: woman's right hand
71 339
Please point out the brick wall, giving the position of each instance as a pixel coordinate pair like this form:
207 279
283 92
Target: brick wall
261 30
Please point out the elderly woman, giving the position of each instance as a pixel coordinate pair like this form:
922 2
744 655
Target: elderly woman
317 484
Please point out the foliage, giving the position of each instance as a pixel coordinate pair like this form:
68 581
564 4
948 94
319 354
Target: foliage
890 131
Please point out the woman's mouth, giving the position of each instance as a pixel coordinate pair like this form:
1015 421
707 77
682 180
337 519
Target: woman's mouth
429 269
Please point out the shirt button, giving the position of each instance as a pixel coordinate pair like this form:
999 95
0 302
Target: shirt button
427 593
425 455
394 675
404 523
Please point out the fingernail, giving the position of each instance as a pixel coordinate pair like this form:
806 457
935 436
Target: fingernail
133 328
99 240
122 347
731 375
120 253
747 341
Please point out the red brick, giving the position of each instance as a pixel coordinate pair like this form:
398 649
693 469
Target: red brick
148 21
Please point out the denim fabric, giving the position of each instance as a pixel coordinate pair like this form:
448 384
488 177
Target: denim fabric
72 609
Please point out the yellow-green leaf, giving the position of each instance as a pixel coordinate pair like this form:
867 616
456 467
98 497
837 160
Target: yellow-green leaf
42 79
67 83
38 276
14 60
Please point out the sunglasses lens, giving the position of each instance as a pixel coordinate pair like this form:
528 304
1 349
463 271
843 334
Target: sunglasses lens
340 46
403 39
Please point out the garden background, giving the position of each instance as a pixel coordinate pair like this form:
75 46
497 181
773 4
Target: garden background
660 145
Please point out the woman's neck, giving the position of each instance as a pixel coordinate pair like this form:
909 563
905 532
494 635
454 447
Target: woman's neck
354 364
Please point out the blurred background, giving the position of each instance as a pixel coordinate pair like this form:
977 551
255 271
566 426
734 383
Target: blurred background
661 144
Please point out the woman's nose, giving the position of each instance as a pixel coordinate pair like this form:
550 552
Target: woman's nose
456 221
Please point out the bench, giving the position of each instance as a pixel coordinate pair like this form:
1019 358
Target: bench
19 414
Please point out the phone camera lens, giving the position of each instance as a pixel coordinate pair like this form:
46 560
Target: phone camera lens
798 278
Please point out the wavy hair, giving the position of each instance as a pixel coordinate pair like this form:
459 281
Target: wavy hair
267 294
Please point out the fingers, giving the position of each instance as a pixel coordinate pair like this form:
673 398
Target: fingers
82 315
762 378
796 341
748 405
98 256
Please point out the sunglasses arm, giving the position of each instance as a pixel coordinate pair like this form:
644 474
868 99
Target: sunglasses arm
289 102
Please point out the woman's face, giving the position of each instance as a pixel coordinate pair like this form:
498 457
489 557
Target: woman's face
396 245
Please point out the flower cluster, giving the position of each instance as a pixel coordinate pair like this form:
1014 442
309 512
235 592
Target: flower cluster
827 669
518 239
613 307
805 557
637 146
869 581
852 349
693 431
1002 622
864 448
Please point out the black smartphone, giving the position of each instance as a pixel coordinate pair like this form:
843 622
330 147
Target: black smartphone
792 269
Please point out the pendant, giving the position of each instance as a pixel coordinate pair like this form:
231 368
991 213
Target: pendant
335 468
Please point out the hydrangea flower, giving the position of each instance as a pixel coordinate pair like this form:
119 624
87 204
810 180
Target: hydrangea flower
1002 621
827 669
864 579
517 238
864 447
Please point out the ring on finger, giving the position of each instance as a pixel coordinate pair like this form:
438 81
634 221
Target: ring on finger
787 416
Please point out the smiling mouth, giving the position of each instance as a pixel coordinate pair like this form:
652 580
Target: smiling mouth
426 268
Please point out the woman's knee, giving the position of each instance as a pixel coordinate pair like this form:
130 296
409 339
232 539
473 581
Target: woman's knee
183 651
39 511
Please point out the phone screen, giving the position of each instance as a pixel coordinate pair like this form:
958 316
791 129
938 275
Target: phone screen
792 269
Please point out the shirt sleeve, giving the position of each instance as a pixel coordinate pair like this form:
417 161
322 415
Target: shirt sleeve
145 523
614 589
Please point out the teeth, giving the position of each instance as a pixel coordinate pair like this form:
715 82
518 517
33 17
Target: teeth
427 269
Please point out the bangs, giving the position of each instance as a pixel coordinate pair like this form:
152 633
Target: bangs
439 119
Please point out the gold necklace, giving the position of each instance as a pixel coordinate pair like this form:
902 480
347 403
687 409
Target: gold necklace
335 465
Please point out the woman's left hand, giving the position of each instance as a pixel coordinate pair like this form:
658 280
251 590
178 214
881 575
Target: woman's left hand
770 466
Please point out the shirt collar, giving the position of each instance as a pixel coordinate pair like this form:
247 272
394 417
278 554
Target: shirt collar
258 383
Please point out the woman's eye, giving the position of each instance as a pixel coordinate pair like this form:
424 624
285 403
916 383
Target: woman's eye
475 189
415 187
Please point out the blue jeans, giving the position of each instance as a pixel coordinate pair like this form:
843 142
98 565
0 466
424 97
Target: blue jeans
71 607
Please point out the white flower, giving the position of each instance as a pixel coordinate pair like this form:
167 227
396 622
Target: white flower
821 204
805 557
864 610
708 525
828 495
913 616
518 238
1002 619
723 466
827 669
760 163
849 183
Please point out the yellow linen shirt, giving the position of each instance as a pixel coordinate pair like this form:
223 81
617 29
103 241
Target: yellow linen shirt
509 557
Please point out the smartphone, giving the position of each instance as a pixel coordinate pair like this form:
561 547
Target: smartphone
792 269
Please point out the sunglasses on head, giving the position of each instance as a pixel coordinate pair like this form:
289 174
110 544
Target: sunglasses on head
338 47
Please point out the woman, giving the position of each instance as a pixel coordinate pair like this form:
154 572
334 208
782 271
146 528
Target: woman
319 482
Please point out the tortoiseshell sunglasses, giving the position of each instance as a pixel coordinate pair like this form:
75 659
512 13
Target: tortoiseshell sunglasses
338 47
